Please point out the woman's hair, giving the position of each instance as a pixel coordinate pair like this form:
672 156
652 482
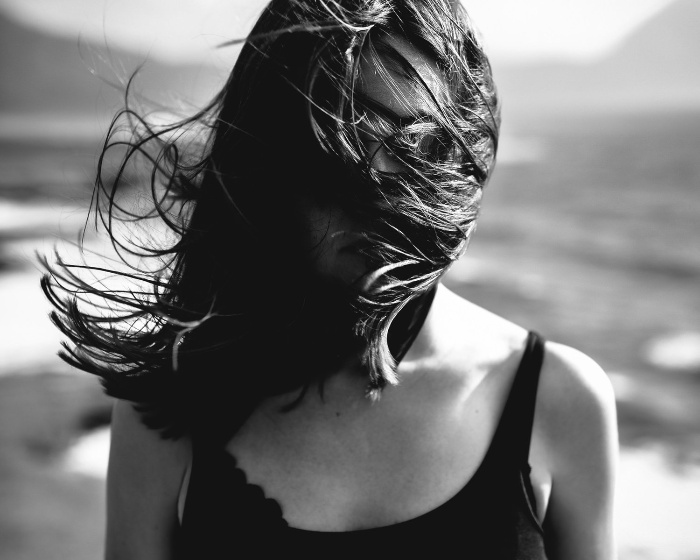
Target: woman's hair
235 312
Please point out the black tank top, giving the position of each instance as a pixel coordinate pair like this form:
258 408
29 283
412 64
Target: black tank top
491 518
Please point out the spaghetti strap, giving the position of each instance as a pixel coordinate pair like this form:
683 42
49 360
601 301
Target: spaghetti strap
515 429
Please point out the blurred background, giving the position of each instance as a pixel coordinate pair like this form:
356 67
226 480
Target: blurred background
590 231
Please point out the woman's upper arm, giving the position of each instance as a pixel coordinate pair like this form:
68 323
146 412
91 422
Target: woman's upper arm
580 426
143 481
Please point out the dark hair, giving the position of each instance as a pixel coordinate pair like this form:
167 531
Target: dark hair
235 312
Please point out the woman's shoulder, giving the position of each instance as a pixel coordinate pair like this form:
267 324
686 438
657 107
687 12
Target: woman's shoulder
134 437
573 389
141 458
574 437
569 379
574 450
575 412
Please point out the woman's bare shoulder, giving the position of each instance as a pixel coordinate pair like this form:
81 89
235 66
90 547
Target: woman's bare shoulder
570 380
575 442
575 405
573 390
143 465
132 439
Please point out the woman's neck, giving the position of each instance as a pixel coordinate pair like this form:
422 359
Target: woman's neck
424 343
407 326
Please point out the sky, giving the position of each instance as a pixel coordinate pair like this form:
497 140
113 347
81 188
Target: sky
188 30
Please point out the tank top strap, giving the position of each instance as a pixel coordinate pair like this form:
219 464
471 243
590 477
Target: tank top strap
513 435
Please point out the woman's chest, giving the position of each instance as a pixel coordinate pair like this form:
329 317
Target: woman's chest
346 469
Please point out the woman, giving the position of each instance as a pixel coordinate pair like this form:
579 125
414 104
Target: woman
298 378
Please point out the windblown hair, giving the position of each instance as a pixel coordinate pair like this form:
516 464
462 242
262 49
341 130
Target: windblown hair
235 312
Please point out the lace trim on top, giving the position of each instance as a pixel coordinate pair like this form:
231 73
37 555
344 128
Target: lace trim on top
252 498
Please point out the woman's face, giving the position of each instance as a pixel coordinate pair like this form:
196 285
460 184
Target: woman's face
332 236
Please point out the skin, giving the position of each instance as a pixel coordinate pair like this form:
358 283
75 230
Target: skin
439 419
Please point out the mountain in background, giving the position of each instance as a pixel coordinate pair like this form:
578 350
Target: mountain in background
660 59
45 74
654 68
